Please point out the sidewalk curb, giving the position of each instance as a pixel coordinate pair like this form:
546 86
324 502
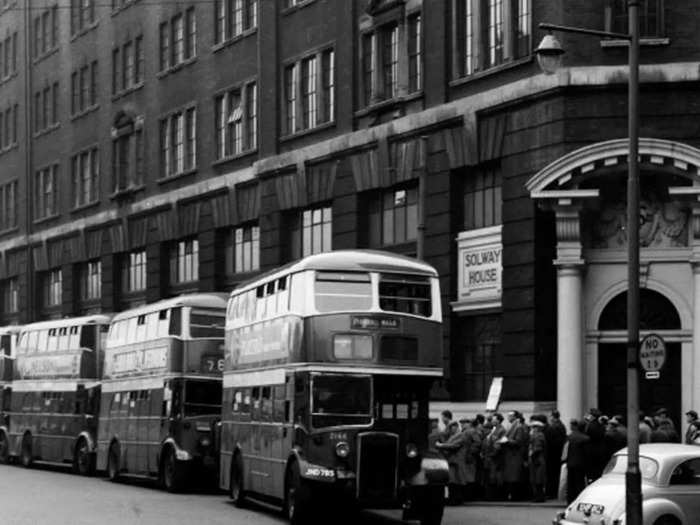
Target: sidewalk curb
550 504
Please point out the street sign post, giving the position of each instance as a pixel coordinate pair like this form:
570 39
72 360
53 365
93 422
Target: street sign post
652 355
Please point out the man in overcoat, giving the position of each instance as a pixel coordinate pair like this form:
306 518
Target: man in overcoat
577 457
537 462
492 456
514 455
472 446
555 435
455 452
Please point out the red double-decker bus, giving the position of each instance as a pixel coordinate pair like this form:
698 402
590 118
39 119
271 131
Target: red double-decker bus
329 362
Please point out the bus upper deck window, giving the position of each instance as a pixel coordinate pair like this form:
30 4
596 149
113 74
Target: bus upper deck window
87 337
342 291
405 294
175 321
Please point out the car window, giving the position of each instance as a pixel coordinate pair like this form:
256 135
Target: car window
618 465
687 473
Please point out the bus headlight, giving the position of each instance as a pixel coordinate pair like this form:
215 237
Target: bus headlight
411 450
352 346
342 449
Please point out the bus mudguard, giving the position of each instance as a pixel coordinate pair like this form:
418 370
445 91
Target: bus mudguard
92 444
433 471
180 454
310 471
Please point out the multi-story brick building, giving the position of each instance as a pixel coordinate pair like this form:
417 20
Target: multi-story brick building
155 147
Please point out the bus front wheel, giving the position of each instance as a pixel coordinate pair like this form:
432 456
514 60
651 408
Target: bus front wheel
113 463
4 449
296 501
236 486
26 455
172 472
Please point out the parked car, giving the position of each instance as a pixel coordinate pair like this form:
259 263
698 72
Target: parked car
670 489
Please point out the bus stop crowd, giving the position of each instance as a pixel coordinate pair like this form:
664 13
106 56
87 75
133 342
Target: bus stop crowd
492 457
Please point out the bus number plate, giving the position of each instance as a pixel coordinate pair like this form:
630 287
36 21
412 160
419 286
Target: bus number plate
212 364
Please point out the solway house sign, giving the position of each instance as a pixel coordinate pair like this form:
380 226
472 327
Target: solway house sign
479 269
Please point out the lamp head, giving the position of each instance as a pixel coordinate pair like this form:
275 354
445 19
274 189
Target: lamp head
549 54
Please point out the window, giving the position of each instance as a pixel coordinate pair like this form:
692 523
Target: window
243 249
133 271
8 206
482 199
234 17
46 108
390 60
488 35
127 155
46 192
651 17
309 91
178 39
236 121
337 292
8 56
85 168
415 65
8 127
405 294
10 295
127 65
482 346
393 217
82 15
52 288
178 142
46 31
84 88
312 232
90 280
184 261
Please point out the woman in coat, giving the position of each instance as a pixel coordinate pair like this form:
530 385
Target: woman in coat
455 452
537 460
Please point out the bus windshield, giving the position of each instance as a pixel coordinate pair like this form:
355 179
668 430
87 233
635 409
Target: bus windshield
341 400
337 292
202 398
205 325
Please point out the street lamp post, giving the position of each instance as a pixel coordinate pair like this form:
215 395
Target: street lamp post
549 55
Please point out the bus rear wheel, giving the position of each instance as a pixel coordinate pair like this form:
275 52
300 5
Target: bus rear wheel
4 449
83 461
113 463
236 485
172 472
296 501
26 455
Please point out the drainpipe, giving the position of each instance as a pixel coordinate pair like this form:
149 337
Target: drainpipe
28 148
422 182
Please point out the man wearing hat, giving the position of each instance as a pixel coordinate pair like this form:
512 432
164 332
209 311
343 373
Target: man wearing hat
690 417
596 432
537 463
665 431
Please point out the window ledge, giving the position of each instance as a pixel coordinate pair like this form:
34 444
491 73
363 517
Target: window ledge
645 42
9 77
388 103
235 156
14 145
125 192
308 131
75 36
125 92
43 56
46 219
237 38
87 206
177 176
47 130
86 111
175 68
121 8
300 5
492 71
8 231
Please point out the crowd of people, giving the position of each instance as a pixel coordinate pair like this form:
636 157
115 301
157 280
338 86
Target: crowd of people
497 458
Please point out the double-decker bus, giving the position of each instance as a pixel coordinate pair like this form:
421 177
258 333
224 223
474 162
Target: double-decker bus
55 392
8 344
161 390
329 362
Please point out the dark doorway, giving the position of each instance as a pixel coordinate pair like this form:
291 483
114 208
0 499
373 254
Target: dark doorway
656 312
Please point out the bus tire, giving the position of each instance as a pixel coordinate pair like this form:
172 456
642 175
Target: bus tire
113 462
296 497
236 484
83 460
4 449
172 472
26 455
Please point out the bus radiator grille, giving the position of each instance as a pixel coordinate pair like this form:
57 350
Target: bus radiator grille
377 467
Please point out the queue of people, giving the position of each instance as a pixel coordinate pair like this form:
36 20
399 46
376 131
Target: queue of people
495 458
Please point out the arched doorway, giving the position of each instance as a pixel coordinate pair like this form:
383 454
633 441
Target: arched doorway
656 314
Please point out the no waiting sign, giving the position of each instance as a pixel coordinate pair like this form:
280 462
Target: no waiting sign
652 353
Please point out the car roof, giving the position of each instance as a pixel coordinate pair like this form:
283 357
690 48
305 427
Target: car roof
667 455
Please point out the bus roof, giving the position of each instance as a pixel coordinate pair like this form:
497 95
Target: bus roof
202 300
68 321
11 329
350 261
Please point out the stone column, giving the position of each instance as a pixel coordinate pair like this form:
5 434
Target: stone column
570 369
695 262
